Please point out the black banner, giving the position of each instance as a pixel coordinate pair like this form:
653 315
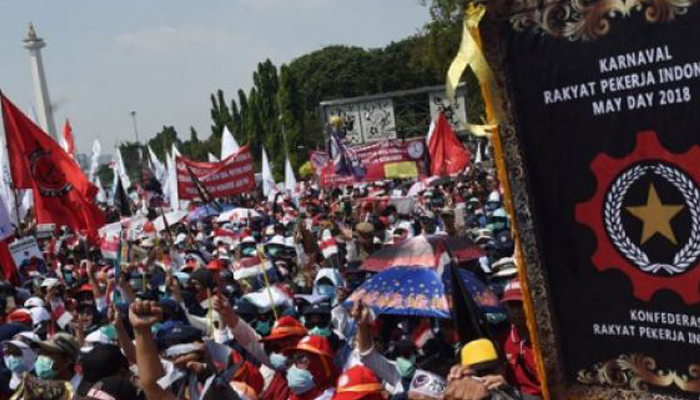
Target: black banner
607 100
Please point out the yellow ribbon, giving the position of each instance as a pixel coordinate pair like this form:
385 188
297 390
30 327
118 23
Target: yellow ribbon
470 55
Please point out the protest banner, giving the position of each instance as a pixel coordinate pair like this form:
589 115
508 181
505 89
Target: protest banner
27 257
600 135
231 176
387 159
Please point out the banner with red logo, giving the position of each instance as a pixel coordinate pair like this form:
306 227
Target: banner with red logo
604 101
231 176
388 159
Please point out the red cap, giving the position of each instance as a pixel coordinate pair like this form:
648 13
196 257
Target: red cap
20 315
358 383
85 288
215 265
512 291
285 327
318 345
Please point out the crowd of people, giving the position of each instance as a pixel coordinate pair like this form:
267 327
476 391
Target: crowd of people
256 307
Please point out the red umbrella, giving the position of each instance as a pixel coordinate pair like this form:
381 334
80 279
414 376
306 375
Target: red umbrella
422 251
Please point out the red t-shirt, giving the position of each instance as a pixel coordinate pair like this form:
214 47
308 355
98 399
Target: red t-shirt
521 364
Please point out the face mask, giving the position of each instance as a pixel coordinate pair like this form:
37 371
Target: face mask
68 278
327 290
110 331
278 361
135 283
13 363
496 318
316 331
263 328
392 219
405 366
300 381
273 251
44 368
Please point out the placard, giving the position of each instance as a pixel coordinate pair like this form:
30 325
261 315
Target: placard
27 257
607 188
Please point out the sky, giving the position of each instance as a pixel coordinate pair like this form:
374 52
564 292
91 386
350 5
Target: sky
163 58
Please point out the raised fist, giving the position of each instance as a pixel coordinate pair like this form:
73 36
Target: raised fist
144 314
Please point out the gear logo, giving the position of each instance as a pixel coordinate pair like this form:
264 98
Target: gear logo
665 253
49 178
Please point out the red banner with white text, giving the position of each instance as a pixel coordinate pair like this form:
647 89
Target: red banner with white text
387 159
231 176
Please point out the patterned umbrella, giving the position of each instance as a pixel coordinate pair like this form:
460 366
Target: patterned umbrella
206 211
422 251
420 292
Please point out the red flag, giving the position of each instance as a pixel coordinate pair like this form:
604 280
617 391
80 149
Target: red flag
9 270
447 155
68 144
62 193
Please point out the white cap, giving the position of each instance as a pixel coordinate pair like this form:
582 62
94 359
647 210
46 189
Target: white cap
39 315
50 282
33 302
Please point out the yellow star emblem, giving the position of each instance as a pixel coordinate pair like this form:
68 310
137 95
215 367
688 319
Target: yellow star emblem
656 217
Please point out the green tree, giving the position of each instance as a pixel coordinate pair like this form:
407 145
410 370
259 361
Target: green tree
220 114
298 141
134 160
253 126
163 141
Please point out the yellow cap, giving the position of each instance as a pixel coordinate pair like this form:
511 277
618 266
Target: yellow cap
478 352
336 121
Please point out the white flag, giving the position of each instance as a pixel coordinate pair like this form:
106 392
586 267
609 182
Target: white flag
159 169
172 180
119 161
212 158
27 203
290 181
431 130
95 161
101 196
7 195
229 145
268 180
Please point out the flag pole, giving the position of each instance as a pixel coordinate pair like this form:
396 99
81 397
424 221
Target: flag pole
267 282
19 219
202 191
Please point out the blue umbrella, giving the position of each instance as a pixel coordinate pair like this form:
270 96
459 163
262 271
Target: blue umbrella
207 211
419 292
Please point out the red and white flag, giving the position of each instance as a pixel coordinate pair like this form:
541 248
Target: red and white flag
61 316
67 142
328 246
422 333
